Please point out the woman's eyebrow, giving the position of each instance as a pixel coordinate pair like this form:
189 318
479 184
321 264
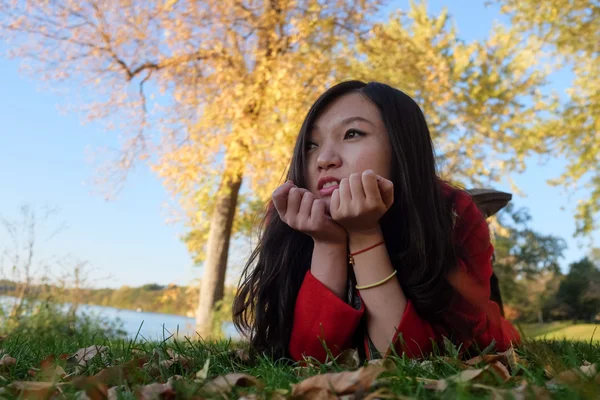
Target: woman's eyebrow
349 120
346 121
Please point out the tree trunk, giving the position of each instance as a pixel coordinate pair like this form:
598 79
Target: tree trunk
540 317
215 265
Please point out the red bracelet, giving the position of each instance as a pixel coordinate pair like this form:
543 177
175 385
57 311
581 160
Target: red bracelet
351 255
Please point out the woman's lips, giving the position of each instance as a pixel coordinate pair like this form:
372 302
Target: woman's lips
328 191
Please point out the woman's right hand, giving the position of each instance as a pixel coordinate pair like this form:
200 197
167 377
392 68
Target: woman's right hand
304 212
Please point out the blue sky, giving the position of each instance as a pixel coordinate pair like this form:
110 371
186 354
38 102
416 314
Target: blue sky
128 242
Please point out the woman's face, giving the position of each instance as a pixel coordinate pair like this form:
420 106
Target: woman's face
348 137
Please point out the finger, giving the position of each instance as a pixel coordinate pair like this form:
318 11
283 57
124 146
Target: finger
387 191
334 203
356 187
280 197
345 194
317 212
372 192
293 201
306 205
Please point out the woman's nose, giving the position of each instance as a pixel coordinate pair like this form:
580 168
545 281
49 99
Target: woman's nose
328 158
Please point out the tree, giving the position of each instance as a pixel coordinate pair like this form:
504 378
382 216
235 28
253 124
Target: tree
233 80
570 28
526 263
579 291
479 98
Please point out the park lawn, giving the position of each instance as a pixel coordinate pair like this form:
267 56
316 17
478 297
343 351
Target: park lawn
563 330
47 367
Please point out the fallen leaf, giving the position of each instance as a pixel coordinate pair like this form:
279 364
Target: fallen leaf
510 359
575 375
500 370
521 392
154 391
48 371
427 365
82 356
451 349
7 361
318 394
113 392
129 372
243 355
464 376
172 379
33 390
487 359
342 382
94 389
203 373
175 358
386 363
384 393
347 359
224 384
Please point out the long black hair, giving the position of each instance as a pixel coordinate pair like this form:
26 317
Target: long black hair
417 228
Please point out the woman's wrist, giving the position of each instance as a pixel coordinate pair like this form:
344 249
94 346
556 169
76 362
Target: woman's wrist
329 266
359 240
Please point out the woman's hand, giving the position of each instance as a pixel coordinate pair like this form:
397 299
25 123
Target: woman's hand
304 212
361 201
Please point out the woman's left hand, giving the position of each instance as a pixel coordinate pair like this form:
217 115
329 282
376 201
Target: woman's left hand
360 201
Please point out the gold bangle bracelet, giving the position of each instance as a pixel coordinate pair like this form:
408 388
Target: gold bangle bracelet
381 282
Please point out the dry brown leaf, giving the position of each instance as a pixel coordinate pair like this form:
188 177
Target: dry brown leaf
155 391
347 359
470 374
94 389
500 370
174 358
2 338
464 376
575 375
427 365
487 359
318 394
342 382
521 392
7 361
384 393
224 384
113 393
33 390
48 371
243 355
510 359
129 372
203 373
82 356
386 363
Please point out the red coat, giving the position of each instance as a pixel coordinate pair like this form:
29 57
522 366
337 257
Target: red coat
320 315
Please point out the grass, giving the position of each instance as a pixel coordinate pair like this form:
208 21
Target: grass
563 330
408 378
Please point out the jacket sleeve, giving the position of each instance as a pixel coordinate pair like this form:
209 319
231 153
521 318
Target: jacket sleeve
471 279
321 319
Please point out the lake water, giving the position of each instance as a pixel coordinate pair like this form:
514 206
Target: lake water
151 326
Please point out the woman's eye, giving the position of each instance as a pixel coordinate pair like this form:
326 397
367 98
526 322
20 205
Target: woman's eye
311 145
353 133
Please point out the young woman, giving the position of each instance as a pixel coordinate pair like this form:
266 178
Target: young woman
364 246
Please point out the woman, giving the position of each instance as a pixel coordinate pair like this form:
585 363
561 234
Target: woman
364 246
